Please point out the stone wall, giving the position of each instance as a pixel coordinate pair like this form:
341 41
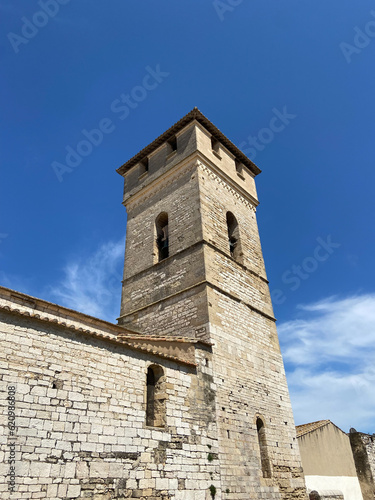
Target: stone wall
82 400
160 298
363 453
80 418
201 291
369 443
248 368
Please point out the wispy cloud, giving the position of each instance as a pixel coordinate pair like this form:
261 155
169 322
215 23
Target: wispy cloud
329 353
92 284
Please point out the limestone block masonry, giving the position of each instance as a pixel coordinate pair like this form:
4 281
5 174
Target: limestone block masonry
202 291
80 411
186 397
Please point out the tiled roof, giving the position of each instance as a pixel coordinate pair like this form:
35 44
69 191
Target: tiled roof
194 114
306 428
41 310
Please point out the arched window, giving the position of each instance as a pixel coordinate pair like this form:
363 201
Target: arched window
234 237
162 244
265 462
155 398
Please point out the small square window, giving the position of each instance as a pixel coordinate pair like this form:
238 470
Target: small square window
172 144
239 169
215 146
143 167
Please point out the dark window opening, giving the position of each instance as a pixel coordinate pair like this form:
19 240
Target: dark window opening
155 399
143 166
232 245
233 237
162 240
239 169
173 144
264 460
215 145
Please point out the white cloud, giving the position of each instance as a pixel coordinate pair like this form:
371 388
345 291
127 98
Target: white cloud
329 353
92 285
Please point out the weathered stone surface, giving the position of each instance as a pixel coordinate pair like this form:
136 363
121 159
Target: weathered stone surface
82 393
363 447
201 291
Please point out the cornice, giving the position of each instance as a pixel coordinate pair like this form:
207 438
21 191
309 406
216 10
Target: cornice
191 248
193 115
161 182
202 283
227 182
195 160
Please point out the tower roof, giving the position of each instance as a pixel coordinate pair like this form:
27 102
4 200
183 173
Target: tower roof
194 114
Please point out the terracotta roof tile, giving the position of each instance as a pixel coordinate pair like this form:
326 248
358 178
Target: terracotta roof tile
306 428
112 338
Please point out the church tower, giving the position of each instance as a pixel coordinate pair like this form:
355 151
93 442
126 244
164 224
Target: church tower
194 269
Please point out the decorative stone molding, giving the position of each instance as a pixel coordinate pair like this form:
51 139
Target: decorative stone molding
160 183
225 183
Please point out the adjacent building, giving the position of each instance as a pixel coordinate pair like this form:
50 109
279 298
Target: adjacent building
328 462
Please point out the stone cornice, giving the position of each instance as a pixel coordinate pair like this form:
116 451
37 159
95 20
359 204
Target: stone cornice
229 184
160 182
192 287
189 249
193 115
195 160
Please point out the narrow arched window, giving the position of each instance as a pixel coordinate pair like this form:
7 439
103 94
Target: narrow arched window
162 242
264 459
234 237
155 398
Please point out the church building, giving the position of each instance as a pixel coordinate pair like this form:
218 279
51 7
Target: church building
185 398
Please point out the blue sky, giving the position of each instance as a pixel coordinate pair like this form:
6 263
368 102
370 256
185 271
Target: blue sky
241 63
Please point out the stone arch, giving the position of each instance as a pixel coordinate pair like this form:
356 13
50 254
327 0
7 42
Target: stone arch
155 396
162 239
234 237
263 449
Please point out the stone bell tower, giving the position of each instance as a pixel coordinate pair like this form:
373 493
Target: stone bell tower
194 268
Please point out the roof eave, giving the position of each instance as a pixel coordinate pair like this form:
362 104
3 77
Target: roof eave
197 115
